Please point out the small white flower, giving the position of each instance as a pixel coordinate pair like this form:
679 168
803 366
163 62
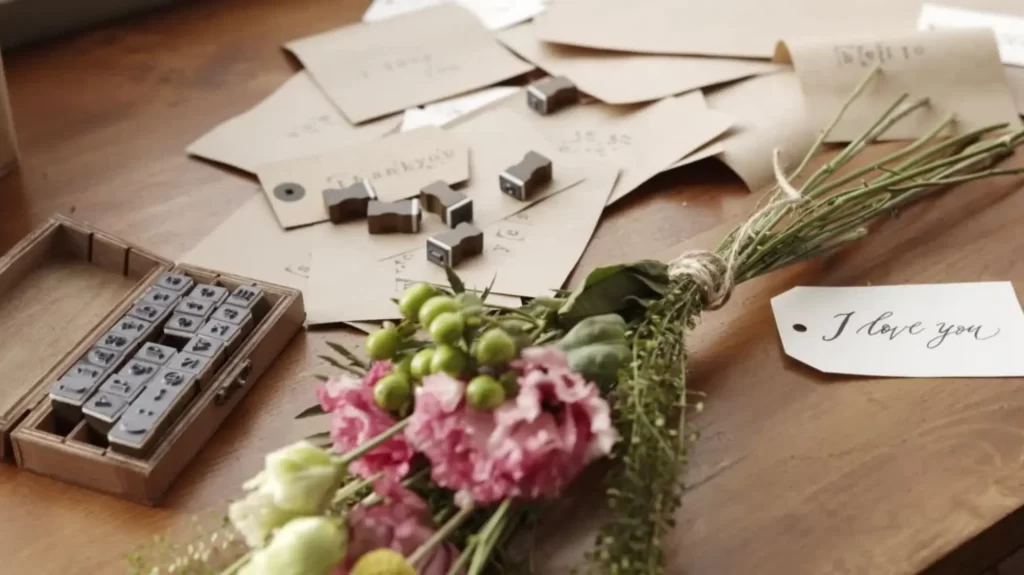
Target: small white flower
303 546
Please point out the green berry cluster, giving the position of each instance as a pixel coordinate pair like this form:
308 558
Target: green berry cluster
463 343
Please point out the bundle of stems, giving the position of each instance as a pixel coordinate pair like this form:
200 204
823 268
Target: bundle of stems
795 222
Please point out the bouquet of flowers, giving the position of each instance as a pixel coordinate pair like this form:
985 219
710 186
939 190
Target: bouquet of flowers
469 419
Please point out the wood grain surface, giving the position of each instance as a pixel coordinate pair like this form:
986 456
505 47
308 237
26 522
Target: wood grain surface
795 474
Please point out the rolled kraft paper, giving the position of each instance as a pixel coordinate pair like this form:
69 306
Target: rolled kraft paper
8 147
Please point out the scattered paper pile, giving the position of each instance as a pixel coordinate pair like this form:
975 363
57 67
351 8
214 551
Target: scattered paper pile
424 91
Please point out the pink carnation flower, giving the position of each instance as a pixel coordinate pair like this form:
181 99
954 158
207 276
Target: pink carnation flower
531 447
356 419
402 523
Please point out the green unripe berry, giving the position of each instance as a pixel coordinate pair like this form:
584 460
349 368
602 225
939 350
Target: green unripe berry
404 367
392 392
420 366
434 307
413 299
447 327
495 347
484 393
448 359
510 381
382 344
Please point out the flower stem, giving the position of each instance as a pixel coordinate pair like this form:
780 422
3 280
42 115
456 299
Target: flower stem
371 444
350 489
440 536
466 555
489 536
237 565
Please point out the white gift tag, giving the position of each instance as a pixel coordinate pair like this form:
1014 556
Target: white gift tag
495 14
936 330
1009 30
446 111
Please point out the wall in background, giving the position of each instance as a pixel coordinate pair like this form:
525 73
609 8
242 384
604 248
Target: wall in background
26 21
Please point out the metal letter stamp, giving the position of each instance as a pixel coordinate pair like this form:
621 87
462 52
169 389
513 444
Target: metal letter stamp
122 387
228 333
102 410
117 341
204 346
209 293
194 307
350 203
68 395
524 179
549 95
246 297
155 354
452 248
133 327
402 217
138 372
105 359
232 314
201 367
453 207
141 425
160 296
149 312
176 379
179 283
181 325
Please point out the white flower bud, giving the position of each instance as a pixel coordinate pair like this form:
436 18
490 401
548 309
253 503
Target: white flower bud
303 546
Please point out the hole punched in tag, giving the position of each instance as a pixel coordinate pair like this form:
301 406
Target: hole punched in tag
799 327
289 192
227 390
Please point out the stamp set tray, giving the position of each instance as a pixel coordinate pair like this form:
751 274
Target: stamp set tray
62 289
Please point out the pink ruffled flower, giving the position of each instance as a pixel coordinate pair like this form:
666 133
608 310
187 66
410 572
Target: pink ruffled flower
356 418
402 523
530 447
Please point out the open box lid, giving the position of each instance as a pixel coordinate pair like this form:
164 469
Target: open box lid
56 286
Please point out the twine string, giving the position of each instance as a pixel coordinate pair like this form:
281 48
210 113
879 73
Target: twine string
714 274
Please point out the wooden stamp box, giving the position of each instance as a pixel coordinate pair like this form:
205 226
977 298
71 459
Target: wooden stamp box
66 292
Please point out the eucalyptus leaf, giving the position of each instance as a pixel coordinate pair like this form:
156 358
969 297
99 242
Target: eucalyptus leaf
454 280
614 289
311 411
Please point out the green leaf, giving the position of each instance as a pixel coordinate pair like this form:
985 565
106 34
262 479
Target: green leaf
615 289
487 292
347 354
311 411
322 439
453 280
341 366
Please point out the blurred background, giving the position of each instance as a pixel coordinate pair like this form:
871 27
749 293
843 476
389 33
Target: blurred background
27 21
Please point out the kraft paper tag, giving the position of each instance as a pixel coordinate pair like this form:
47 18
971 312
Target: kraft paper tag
1009 30
624 78
370 70
398 166
296 120
938 330
957 70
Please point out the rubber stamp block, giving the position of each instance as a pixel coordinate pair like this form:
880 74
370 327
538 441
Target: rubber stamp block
201 367
140 427
122 387
402 217
228 333
209 293
178 283
68 395
87 370
205 347
452 248
137 329
195 307
524 179
102 411
117 341
549 95
156 354
106 359
138 372
245 297
160 296
349 203
451 206
149 312
233 314
183 326
174 378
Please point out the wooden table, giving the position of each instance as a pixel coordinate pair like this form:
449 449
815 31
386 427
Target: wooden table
796 473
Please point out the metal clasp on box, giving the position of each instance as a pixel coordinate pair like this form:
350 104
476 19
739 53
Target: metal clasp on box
236 383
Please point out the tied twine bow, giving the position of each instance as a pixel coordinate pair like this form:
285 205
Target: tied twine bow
714 274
